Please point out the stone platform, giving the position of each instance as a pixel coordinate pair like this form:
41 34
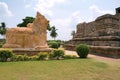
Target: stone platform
106 51
29 51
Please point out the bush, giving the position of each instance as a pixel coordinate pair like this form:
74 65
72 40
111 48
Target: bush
34 58
82 50
1 45
57 54
14 57
54 45
5 54
26 58
42 56
59 43
23 58
51 56
20 58
70 57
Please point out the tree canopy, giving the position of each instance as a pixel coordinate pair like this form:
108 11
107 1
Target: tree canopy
3 28
29 19
26 20
53 32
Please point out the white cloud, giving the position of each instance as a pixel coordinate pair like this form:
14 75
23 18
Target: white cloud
73 18
4 11
96 9
96 12
44 6
66 25
63 27
76 16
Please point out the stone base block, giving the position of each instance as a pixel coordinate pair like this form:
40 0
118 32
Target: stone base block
29 51
106 51
113 52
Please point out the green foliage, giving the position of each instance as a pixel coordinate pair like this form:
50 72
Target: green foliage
5 54
20 58
26 58
57 54
51 56
53 45
42 56
70 57
29 19
34 58
23 58
14 57
1 45
82 50
60 42
3 31
48 27
53 32
3 28
26 20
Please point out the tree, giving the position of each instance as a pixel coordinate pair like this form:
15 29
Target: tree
26 20
73 33
3 28
29 19
48 27
53 32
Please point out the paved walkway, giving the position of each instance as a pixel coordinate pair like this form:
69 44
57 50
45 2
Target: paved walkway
67 52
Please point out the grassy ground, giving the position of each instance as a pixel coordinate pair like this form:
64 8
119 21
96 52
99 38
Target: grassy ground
72 69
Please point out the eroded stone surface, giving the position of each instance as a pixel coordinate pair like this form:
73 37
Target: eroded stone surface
104 31
102 35
33 36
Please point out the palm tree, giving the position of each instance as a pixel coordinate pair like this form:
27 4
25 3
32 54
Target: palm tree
48 27
53 32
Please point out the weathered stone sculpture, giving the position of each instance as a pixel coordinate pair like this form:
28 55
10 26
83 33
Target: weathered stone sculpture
33 36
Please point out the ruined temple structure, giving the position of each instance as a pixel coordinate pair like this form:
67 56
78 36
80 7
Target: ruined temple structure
33 36
103 35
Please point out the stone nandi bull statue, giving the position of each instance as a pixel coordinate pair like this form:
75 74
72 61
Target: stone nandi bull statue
33 36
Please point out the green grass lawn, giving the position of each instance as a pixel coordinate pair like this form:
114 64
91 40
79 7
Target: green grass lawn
72 69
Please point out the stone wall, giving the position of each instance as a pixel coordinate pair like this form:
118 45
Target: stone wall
103 32
113 52
106 51
29 52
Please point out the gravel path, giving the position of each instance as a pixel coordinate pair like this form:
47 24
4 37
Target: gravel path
67 52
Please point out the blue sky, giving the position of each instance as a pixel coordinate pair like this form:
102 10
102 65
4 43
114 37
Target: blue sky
64 14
